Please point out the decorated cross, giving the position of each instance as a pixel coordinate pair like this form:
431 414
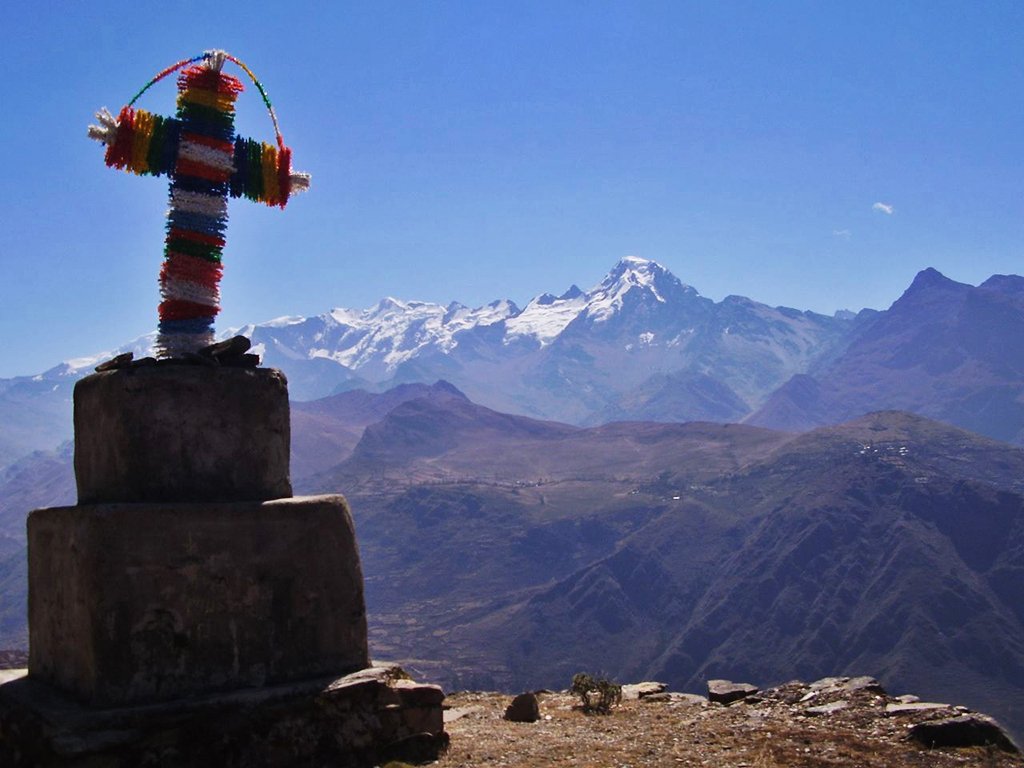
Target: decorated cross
206 162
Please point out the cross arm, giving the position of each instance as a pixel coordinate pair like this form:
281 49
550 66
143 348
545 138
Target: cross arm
138 141
263 172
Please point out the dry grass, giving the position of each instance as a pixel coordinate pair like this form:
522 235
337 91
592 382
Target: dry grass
767 734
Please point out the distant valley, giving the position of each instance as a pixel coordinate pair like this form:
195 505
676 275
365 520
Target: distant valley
506 552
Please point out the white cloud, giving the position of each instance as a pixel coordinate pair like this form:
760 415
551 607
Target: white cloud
885 208
842 233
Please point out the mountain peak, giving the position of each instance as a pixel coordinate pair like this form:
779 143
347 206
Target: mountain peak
642 280
929 286
389 304
636 265
1004 284
443 387
931 278
635 270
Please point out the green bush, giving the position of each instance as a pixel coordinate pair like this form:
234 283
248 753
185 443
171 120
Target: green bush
597 694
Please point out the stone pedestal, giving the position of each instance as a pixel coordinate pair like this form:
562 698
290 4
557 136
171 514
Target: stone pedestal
189 612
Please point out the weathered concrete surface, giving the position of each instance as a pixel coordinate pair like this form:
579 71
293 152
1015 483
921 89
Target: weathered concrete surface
182 433
133 603
362 719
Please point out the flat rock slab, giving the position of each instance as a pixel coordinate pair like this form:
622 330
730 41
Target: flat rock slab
850 684
672 697
913 707
363 719
634 691
137 603
728 692
827 709
457 713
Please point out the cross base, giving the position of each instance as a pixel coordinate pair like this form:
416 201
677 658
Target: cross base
363 719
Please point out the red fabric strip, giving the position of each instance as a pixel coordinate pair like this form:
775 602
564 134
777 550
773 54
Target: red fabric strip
209 141
284 170
208 80
200 171
175 309
181 266
196 237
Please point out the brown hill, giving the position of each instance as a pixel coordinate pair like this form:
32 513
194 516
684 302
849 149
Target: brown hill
325 431
502 553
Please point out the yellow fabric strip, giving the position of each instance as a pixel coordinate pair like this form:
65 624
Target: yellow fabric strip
141 136
222 102
271 189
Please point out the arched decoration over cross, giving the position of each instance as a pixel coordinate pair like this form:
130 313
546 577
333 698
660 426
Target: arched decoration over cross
206 162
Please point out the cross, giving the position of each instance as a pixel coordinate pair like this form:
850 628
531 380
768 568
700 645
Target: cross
205 161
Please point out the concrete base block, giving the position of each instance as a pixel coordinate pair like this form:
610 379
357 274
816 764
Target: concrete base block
364 719
182 433
136 603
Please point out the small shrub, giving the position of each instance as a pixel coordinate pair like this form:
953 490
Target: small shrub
597 694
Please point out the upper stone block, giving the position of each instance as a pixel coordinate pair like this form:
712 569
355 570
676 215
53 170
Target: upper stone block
182 433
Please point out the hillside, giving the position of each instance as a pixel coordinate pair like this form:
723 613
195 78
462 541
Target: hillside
502 552
946 350
681 552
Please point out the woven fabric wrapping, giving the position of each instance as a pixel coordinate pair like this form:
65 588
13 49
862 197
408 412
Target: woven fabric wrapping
206 162
198 217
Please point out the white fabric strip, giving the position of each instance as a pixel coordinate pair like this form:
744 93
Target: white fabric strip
184 290
199 202
208 156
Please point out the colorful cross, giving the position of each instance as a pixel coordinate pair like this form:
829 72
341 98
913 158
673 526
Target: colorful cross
206 162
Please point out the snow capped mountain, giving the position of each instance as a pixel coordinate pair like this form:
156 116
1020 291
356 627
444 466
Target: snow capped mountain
635 342
377 342
635 280
546 317
567 357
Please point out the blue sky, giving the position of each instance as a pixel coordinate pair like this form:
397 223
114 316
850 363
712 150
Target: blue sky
472 151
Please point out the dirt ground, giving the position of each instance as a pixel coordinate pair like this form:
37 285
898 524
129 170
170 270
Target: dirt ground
775 731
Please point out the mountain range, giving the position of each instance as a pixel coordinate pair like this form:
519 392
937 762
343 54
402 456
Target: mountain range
640 345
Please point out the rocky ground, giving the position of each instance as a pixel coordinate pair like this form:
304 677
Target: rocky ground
833 722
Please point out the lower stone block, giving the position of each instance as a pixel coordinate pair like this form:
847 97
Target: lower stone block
137 603
363 719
